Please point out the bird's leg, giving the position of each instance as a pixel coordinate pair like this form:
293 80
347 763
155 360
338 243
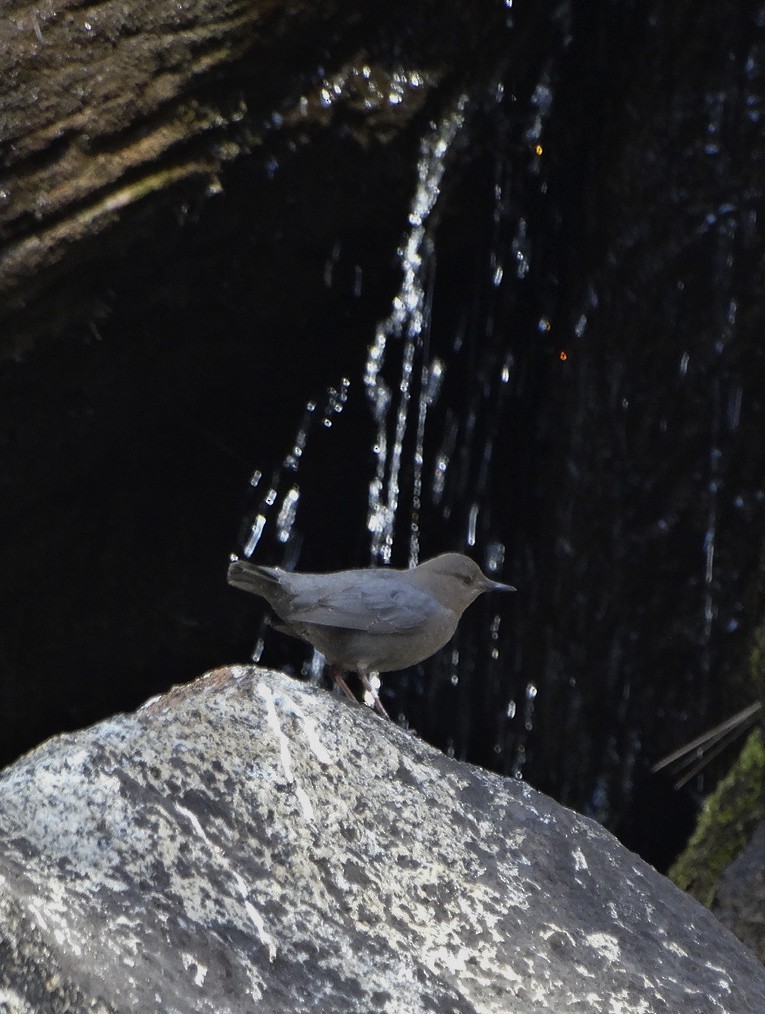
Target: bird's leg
337 675
376 702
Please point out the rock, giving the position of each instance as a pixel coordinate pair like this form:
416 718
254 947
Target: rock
249 843
739 901
175 93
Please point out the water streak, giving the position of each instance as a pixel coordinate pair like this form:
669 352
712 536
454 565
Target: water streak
285 531
409 321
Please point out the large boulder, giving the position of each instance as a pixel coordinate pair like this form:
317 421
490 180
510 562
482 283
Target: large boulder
250 843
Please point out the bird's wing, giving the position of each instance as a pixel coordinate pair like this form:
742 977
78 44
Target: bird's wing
382 609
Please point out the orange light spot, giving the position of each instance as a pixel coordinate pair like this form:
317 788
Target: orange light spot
563 355
538 149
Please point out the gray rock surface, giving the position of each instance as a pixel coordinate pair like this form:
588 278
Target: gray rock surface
248 843
739 901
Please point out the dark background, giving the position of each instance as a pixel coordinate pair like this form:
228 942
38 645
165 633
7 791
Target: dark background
593 288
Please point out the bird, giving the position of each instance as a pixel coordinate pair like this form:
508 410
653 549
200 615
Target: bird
373 619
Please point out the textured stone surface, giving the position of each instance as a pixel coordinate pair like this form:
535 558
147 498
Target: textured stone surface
250 843
739 901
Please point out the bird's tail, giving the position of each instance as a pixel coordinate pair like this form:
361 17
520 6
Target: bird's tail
252 577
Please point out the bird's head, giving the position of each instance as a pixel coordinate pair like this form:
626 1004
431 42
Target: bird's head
455 580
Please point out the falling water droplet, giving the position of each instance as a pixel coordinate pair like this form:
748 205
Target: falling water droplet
286 517
472 523
256 530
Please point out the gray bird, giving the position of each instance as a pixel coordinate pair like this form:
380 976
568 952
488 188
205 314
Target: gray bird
372 620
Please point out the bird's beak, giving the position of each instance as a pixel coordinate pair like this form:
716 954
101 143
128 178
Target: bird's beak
498 586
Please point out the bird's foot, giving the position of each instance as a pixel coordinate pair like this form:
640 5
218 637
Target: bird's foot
372 691
337 675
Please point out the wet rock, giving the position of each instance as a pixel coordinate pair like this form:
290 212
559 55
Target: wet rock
249 843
